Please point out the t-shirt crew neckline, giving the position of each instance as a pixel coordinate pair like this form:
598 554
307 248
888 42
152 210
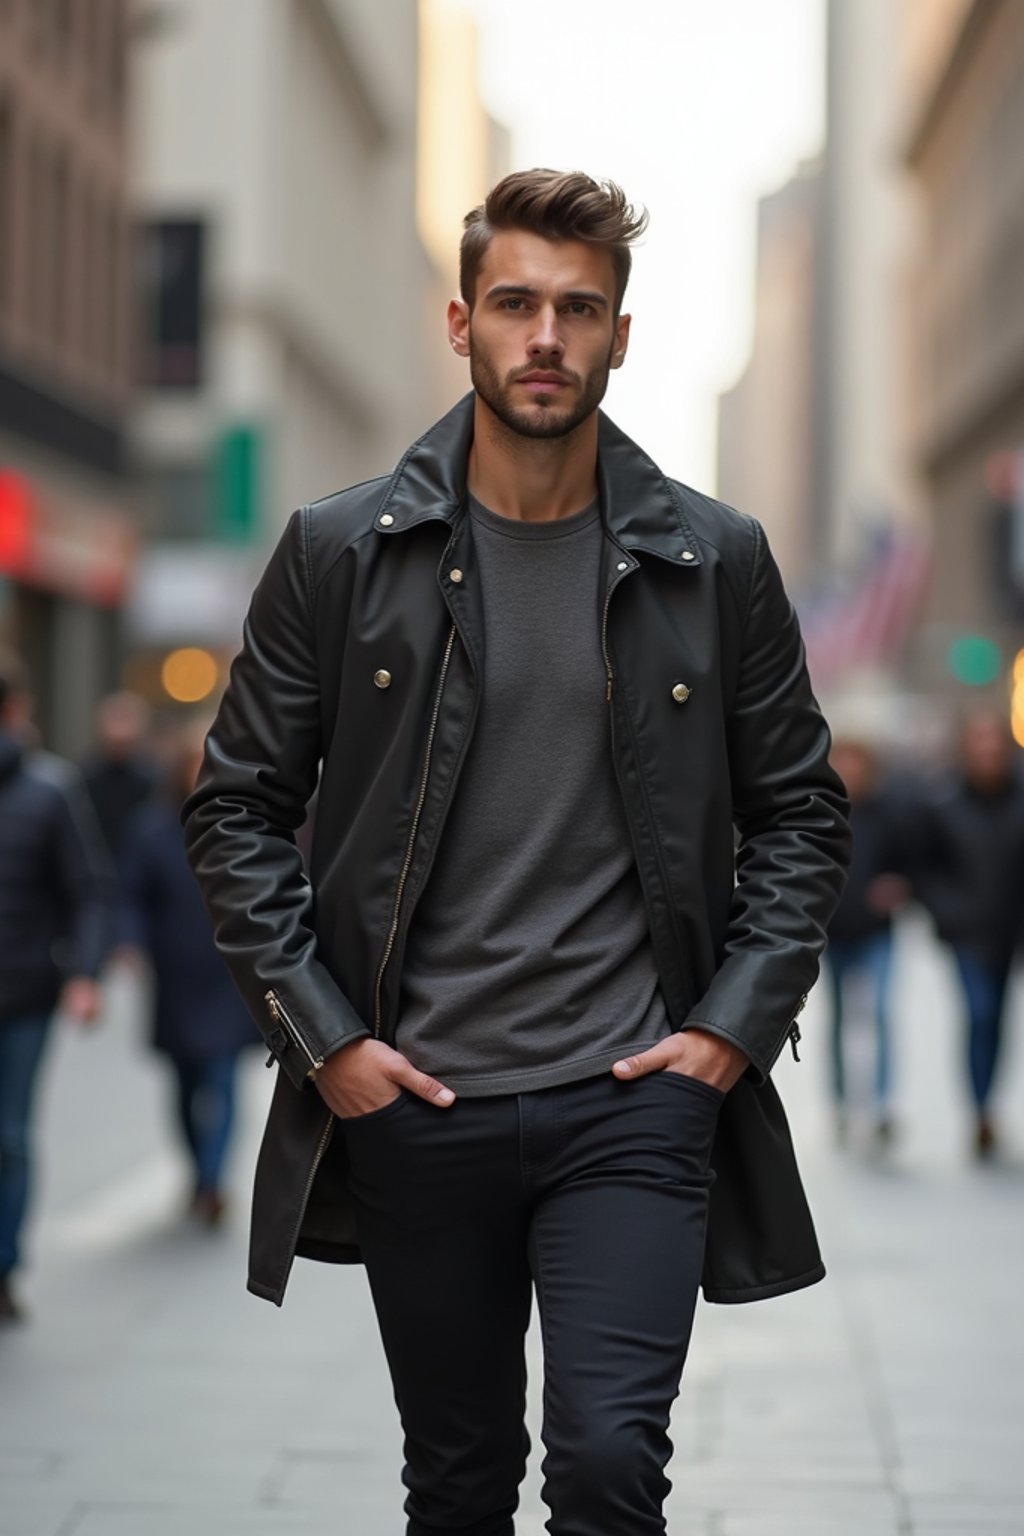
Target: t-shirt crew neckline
514 528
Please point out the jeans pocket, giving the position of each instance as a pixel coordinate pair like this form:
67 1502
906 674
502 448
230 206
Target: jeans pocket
692 1084
374 1116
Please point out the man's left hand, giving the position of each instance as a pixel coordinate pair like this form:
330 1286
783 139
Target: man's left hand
693 1052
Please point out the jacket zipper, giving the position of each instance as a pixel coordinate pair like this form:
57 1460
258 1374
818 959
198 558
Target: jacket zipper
795 1032
604 641
407 861
280 1015
318 1157
604 633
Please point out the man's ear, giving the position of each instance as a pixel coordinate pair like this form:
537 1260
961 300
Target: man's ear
621 343
458 326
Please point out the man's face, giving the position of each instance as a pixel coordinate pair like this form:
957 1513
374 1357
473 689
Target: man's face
987 752
542 335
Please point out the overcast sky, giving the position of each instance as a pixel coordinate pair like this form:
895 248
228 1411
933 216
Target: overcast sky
696 107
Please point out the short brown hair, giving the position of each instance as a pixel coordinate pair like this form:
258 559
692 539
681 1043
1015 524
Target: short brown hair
558 205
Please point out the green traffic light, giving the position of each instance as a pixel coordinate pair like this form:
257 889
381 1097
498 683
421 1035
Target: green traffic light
975 660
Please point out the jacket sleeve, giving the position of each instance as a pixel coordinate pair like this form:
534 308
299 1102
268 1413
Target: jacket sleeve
86 875
793 835
259 772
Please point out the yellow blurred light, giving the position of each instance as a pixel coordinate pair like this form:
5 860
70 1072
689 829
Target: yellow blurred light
189 675
1017 699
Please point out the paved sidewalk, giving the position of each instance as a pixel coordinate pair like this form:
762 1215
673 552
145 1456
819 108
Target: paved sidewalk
152 1397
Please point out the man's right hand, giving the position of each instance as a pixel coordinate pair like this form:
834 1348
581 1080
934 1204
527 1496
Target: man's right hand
366 1075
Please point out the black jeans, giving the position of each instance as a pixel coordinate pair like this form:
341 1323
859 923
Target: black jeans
596 1193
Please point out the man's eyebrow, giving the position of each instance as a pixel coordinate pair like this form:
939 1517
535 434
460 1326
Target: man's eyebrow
571 296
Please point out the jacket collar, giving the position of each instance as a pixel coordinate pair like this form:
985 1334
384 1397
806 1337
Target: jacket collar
642 509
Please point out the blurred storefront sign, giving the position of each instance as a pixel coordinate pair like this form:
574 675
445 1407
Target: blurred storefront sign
63 546
194 594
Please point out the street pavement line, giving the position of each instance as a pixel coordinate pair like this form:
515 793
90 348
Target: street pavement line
125 1206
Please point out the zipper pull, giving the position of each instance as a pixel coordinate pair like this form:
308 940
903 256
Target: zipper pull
794 1039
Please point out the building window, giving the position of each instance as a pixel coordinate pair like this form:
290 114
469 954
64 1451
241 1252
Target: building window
58 255
117 51
112 287
39 237
91 276
172 254
6 209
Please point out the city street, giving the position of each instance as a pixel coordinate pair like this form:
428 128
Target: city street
151 1396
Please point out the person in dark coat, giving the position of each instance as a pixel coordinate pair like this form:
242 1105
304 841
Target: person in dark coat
972 882
200 1022
860 937
55 910
120 776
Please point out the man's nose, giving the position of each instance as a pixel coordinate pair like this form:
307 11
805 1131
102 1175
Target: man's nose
546 338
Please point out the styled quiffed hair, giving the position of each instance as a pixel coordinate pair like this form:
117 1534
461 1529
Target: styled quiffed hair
558 205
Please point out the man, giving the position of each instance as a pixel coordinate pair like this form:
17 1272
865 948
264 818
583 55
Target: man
528 997
860 934
119 775
972 881
54 920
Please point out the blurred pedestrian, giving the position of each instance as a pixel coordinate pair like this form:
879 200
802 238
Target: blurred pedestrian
200 1023
55 910
527 1001
972 881
860 937
120 774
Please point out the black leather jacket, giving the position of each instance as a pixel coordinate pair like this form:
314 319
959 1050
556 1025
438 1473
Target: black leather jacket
363 650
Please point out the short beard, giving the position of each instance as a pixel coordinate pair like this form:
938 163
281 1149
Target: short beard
549 421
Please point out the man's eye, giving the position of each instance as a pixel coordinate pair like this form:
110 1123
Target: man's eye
580 307
512 304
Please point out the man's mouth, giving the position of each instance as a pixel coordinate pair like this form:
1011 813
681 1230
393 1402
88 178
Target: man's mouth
538 382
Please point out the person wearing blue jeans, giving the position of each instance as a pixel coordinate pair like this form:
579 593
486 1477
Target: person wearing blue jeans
22 1042
972 881
199 1023
54 902
206 1114
869 961
860 940
984 980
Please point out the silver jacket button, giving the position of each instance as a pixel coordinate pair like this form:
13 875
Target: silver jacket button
687 554
680 693
386 520
455 575
382 678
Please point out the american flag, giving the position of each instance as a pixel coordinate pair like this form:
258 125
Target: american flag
866 622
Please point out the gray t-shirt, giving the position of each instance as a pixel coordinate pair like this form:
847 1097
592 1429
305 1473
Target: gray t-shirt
529 960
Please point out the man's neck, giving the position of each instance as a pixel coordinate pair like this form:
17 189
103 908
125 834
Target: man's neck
532 479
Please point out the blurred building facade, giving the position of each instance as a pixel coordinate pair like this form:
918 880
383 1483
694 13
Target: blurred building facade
824 401
67 514
299 227
462 152
285 351
963 86
769 426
